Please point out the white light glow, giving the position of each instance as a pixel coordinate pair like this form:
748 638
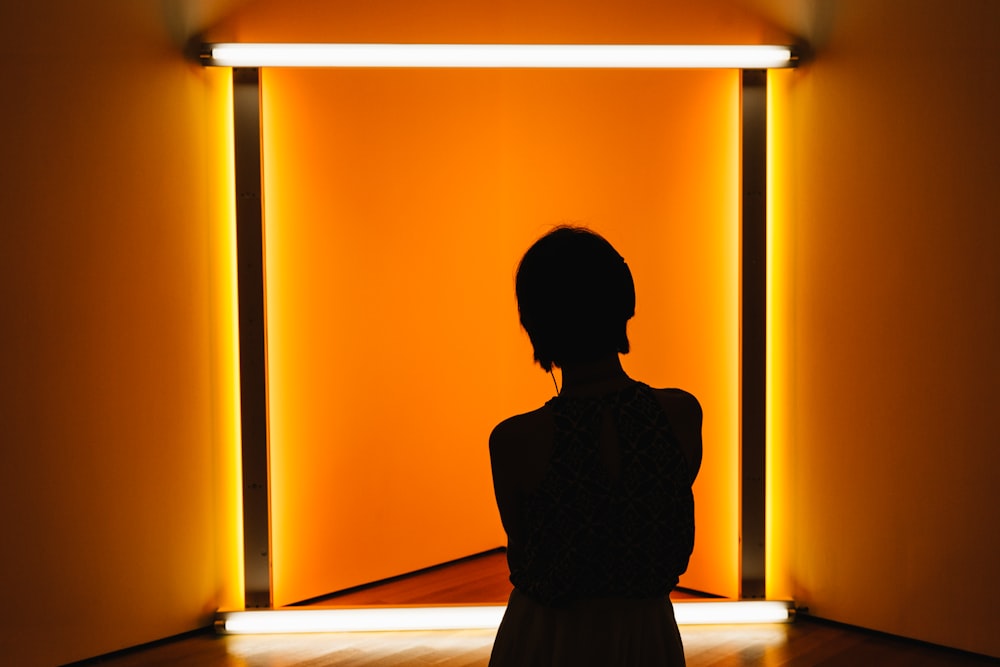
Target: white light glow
706 612
499 56
464 617
361 619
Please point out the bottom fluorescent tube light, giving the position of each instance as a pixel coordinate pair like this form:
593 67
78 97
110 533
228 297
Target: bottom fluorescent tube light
465 617
706 612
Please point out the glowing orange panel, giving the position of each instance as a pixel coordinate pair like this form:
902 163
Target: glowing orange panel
397 207
780 397
225 348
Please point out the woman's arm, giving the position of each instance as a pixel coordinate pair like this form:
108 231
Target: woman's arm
519 452
506 487
685 415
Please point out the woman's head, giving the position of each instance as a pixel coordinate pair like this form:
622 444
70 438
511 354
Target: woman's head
575 295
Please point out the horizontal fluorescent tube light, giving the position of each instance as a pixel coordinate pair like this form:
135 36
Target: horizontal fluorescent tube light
498 55
708 612
461 617
360 619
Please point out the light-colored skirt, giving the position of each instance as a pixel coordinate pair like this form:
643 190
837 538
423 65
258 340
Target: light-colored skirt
601 633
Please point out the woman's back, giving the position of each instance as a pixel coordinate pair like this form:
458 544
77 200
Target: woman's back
600 523
613 514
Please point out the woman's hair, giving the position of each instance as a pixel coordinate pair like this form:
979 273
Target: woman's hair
574 295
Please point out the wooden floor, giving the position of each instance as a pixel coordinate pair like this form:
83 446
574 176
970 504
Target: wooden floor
806 642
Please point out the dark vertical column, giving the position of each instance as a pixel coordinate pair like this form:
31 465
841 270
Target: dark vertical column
753 338
253 353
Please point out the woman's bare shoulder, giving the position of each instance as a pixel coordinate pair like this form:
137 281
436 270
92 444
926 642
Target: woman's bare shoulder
679 403
519 430
519 449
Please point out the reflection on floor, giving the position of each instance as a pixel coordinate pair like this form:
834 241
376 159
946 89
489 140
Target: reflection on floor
803 643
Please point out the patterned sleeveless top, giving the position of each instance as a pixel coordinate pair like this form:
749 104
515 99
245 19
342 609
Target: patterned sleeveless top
590 536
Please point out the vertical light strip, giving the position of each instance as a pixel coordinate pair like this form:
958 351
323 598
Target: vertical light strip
780 396
253 347
753 332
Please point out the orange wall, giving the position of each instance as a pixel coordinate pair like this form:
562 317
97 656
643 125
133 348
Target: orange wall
886 271
116 364
398 204
117 482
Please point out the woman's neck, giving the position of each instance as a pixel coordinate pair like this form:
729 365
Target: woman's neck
593 378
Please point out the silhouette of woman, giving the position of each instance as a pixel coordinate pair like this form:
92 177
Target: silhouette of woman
594 487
